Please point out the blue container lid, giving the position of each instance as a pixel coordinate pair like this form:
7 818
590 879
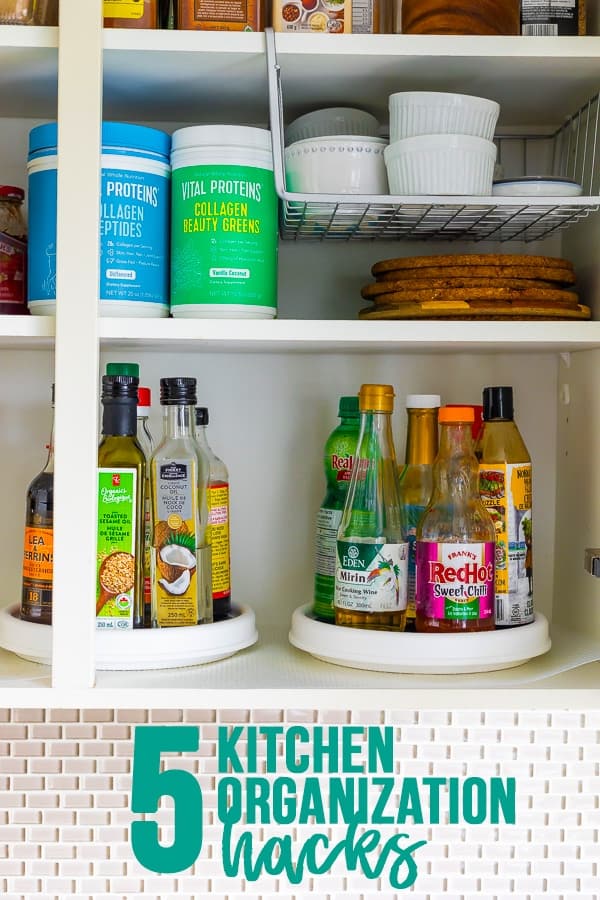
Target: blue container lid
114 134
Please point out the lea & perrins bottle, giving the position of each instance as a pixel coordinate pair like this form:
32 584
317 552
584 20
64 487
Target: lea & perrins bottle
505 488
416 478
455 538
338 460
38 551
372 553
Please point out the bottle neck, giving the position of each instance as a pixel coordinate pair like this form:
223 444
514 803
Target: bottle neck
201 437
119 417
376 439
456 470
179 421
421 437
49 467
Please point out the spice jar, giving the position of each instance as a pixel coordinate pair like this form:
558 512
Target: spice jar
134 13
16 12
13 250
460 16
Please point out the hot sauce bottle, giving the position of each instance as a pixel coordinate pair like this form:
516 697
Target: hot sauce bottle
455 538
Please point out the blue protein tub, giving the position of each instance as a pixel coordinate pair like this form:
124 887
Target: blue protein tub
134 220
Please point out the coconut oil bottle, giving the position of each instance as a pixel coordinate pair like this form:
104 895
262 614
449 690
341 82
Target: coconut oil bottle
181 559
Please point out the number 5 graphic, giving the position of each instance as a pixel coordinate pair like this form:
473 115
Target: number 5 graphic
149 784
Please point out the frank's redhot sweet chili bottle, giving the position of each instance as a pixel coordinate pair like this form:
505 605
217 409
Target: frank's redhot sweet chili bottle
455 538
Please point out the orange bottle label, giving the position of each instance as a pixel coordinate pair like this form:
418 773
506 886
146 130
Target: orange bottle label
38 554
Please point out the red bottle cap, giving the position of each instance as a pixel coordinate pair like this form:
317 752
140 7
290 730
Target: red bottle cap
8 192
144 397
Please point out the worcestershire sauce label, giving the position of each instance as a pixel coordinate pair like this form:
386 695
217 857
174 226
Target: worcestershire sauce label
38 555
371 578
174 545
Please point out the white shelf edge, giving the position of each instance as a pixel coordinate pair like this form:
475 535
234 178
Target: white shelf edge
164 41
339 335
32 332
28 36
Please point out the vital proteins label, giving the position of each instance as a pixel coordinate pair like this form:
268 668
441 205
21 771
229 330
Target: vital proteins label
217 496
116 563
224 236
371 578
133 237
175 515
455 581
506 493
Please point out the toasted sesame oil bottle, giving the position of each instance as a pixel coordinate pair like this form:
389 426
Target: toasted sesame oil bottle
372 553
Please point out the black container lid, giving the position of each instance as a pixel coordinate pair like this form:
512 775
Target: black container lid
120 387
178 391
498 404
201 416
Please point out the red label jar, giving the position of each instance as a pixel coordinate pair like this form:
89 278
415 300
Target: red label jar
13 251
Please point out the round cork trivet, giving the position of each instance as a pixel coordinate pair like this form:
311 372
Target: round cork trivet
560 276
435 311
422 284
470 259
488 295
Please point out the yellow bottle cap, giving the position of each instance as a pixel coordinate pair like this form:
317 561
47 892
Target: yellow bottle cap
376 398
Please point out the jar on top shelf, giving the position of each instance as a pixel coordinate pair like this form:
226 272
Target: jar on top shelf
13 251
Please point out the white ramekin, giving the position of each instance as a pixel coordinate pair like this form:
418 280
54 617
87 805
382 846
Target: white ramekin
441 164
337 165
334 121
429 112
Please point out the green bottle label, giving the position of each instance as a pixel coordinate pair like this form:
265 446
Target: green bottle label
116 562
224 236
371 577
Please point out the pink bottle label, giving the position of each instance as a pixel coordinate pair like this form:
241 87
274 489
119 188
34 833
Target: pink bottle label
455 581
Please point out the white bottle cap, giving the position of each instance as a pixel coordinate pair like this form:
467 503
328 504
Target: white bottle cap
423 401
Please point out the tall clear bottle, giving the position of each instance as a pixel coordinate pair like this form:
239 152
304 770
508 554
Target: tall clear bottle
38 550
416 479
218 520
181 558
372 553
505 486
146 442
455 537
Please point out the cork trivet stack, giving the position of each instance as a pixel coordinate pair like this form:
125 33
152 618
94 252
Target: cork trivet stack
473 286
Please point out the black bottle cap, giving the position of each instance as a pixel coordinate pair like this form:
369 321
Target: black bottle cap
201 416
178 391
120 387
498 404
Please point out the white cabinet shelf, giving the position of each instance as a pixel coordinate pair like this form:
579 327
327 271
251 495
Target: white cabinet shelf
26 332
340 336
28 71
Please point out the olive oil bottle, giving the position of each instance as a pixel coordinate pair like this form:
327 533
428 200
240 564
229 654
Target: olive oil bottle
38 552
121 490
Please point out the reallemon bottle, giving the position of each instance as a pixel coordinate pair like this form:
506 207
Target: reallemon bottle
372 553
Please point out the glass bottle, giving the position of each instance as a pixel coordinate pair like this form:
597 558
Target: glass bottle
416 479
455 538
372 554
338 460
134 13
505 481
146 442
121 489
38 551
13 252
217 497
181 556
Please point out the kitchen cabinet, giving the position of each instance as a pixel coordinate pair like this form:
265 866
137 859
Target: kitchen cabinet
272 386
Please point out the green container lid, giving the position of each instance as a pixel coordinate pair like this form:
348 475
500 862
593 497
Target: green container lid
131 369
348 408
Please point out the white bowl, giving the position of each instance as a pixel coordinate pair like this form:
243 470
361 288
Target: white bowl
336 165
331 122
430 112
441 164
537 186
